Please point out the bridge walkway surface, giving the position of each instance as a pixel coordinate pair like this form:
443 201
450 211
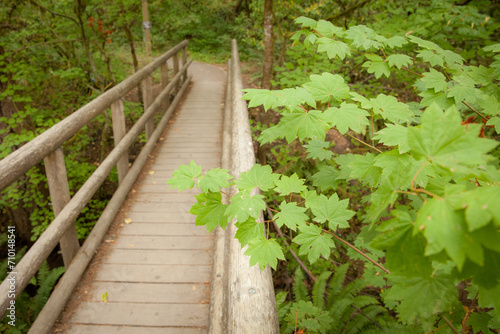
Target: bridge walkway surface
152 272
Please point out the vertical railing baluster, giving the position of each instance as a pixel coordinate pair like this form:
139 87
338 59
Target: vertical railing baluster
148 100
184 61
175 59
164 83
57 179
119 131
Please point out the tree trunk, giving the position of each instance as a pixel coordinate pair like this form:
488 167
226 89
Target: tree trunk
267 71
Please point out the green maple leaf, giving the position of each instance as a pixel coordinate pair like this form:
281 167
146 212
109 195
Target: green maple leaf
326 178
435 80
270 134
360 167
463 93
445 229
430 97
259 97
495 121
210 211
318 150
183 177
451 58
435 295
293 97
291 215
289 184
423 43
333 48
306 22
481 75
258 176
481 206
243 205
327 86
331 210
380 199
377 65
363 37
249 231
396 42
401 168
214 180
265 252
443 140
390 109
347 116
327 29
399 60
394 135
431 57
303 125
314 242
490 105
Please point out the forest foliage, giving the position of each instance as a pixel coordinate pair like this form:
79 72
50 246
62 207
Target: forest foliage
385 136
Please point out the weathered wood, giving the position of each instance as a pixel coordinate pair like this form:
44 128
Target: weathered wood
252 307
164 83
61 293
145 315
163 229
219 294
164 242
124 292
119 131
147 94
184 60
21 160
107 329
136 273
191 257
175 60
57 180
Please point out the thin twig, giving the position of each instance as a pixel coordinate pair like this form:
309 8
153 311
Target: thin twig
364 143
357 250
404 68
474 110
419 190
434 330
308 272
448 322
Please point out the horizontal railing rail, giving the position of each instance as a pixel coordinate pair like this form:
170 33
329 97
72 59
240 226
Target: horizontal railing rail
242 297
47 147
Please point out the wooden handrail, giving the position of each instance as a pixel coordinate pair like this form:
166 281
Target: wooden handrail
243 300
49 141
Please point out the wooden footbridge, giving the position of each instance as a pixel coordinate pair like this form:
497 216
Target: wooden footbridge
160 273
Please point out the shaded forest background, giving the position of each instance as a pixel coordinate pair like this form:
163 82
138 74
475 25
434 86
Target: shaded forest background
56 56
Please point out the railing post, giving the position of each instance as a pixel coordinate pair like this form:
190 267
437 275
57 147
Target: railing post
57 179
175 60
148 100
119 131
164 83
184 61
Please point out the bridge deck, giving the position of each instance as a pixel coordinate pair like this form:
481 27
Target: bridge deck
157 271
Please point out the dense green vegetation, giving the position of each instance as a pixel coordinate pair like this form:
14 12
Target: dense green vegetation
384 114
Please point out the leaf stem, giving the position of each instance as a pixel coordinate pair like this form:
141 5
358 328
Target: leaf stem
419 190
357 250
448 322
408 70
474 110
364 143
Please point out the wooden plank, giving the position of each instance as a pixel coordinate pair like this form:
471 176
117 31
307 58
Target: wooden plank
167 208
169 315
175 293
193 257
197 155
154 273
164 242
165 199
161 217
162 229
98 329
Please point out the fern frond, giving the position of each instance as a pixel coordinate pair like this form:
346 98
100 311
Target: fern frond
46 287
319 290
43 272
336 284
299 288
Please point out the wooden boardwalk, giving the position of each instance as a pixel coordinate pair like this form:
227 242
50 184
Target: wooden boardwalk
157 274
